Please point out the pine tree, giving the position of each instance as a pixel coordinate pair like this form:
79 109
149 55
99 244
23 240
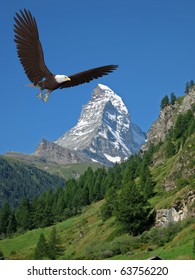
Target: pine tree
23 215
146 181
107 208
12 224
132 209
59 205
191 84
41 250
164 102
173 98
170 149
4 218
187 88
42 216
130 171
54 249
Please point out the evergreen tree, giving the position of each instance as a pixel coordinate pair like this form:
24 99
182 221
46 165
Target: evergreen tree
86 195
107 209
164 102
187 88
23 215
42 206
12 224
191 84
183 122
173 98
54 249
180 127
132 209
191 127
4 218
170 149
130 171
109 179
41 250
146 182
59 205
148 156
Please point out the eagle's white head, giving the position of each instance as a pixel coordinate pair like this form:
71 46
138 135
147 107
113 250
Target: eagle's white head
61 78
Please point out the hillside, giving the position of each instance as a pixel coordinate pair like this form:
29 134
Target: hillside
18 180
85 236
142 207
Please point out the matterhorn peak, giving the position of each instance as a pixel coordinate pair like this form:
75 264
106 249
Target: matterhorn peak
102 89
104 131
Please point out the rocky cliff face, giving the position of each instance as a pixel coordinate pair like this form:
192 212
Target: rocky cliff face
166 119
54 153
182 208
104 131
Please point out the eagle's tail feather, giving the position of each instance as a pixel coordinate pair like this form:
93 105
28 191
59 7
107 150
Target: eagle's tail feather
32 85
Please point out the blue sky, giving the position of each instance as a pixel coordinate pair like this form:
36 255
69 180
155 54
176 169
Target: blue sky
152 41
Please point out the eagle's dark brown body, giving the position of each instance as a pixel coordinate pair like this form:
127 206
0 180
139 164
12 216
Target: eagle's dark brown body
31 56
49 84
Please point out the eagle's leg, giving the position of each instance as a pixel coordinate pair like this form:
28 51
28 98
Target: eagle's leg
40 95
46 95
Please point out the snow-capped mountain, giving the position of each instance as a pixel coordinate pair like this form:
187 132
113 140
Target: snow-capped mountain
104 131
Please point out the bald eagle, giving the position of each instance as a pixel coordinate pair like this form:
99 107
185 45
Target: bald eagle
31 56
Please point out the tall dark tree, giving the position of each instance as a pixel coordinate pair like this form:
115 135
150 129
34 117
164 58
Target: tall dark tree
191 84
12 225
132 209
24 215
187 88
42 216
41 250
4 218
131 170
146 181
170 148
59 205
173 98
107 209
164 102
54 249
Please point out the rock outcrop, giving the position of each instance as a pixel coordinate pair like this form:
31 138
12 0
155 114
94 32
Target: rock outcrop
54 153
183 208
166 119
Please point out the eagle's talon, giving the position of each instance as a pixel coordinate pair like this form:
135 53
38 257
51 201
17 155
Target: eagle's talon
46 98
40 95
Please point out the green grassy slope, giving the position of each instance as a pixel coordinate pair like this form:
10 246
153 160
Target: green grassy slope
104 240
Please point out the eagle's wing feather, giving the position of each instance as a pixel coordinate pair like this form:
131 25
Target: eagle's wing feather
88 75
29 47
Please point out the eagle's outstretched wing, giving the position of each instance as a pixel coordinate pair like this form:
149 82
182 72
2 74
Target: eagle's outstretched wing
29 47
88 75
